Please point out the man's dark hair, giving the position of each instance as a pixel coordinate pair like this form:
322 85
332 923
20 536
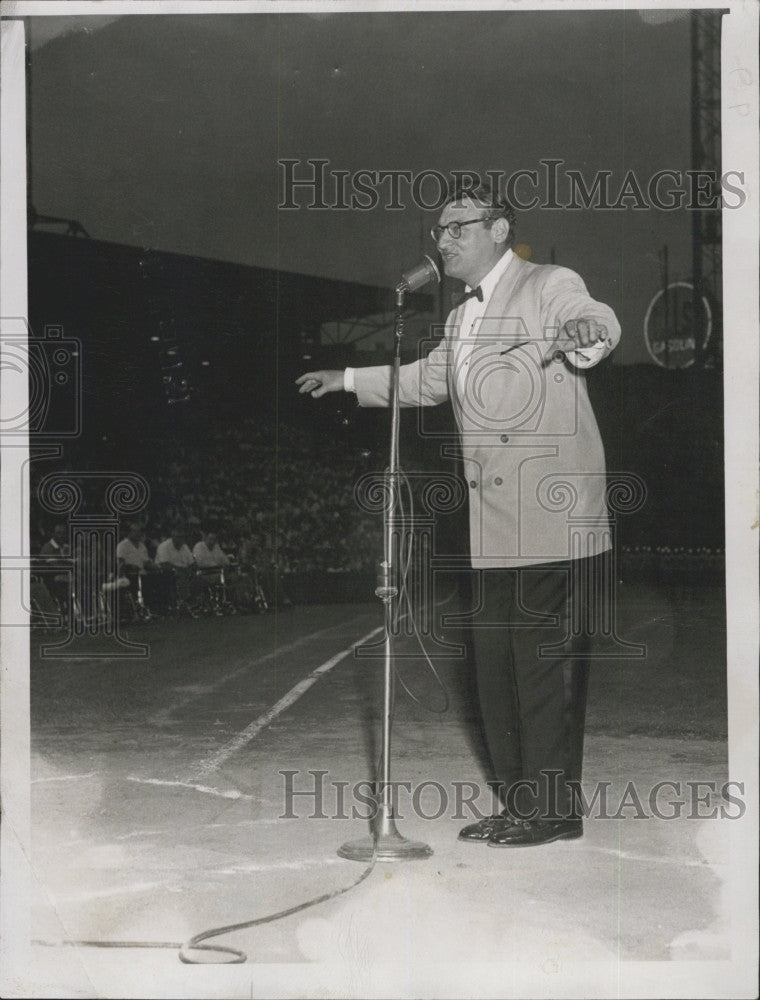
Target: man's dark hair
489 196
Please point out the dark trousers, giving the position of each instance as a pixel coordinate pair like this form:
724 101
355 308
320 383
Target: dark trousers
531 634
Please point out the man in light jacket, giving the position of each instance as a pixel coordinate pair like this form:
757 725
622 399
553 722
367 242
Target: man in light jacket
511 362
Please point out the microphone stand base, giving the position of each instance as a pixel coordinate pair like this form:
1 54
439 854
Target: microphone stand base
391 846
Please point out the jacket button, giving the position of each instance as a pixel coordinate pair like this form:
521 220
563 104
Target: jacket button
498 480
504 438
473 483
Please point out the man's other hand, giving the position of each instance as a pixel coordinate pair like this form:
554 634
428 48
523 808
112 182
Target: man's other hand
319 383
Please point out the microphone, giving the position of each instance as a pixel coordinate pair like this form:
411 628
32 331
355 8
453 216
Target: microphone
418 276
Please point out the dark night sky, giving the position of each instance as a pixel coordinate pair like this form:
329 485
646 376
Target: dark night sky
165 131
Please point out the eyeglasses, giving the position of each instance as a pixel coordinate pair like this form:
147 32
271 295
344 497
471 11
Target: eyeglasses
454 229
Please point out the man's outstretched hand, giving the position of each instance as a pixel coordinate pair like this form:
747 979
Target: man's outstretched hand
319 383
580 333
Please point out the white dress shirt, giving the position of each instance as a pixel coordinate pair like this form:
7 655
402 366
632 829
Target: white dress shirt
167 552
472 314
131 554
207 558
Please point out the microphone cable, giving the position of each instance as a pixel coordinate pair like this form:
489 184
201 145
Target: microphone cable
405 558
195 943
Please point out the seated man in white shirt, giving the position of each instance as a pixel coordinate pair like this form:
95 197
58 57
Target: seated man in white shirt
134 562
174 557
54 568
208 552
132 553
212 563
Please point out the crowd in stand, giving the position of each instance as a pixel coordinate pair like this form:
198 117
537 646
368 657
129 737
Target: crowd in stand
258 501
294 496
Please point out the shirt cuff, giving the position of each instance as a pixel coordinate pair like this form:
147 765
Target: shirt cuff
348 380
587 357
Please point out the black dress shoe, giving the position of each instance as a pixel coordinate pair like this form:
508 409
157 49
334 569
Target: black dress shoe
484 829
532 832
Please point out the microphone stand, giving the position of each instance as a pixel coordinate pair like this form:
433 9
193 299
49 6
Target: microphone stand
386 843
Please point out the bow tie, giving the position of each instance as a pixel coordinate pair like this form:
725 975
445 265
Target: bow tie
459 297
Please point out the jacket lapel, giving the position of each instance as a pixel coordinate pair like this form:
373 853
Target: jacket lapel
454 340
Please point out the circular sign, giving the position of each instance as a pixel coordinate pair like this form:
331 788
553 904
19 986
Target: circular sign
669 325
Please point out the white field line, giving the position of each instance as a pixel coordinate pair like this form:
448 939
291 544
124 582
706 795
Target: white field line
170 883
231 793
200 691
65 777
250 732
656 859
70 897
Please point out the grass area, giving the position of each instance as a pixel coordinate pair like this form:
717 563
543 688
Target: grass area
679 688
